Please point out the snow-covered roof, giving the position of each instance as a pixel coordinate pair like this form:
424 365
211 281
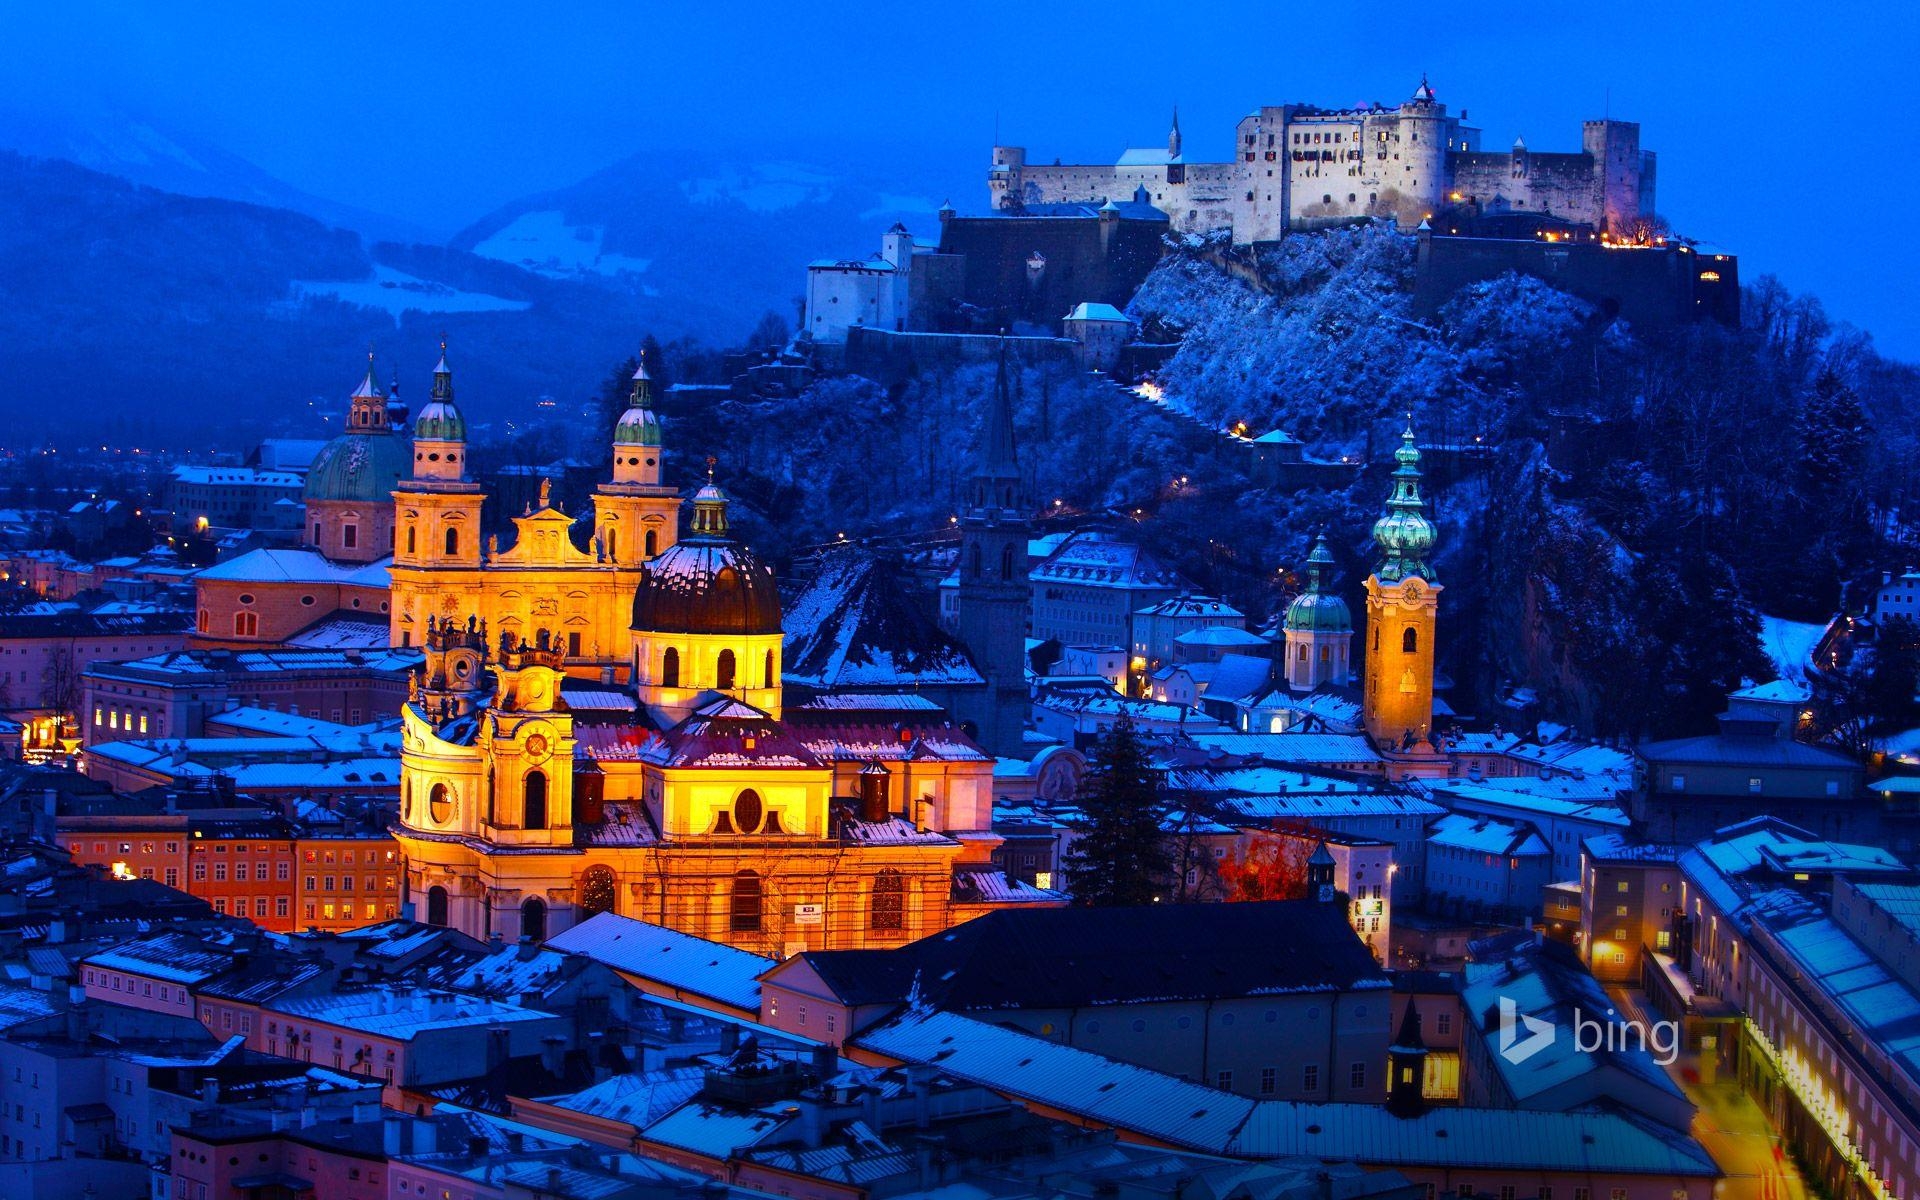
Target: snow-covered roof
853 627
680 961
1487 835
384 1012
1197 1117
1087 311
296 566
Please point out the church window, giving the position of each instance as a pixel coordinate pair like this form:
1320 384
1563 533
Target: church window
1302 656
246 624
533 919
766 674
440 804
1410 641
748 811
670 668
746 903
453 540
412 539
652 543
973 561
1326 654
349 536
723 670
573 644
436 905
206 621
889 913
534 809
1006 561
596 893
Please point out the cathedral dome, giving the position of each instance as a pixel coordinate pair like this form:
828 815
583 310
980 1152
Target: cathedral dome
706 584
358 466
702 586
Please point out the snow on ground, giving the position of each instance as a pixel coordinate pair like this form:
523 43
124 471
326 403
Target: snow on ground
397 292
767 187
1790 645
543 242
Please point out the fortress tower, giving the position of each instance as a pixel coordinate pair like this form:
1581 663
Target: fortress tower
1403 599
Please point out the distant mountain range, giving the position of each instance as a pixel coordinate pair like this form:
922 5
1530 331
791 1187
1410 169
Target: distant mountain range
151 281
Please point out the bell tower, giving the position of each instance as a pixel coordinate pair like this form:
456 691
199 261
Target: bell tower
527 740
635 516
436 530
991 616
1403 600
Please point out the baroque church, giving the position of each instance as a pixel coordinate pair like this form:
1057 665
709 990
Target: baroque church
698 797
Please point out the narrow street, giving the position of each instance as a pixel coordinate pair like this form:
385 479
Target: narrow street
1729 1124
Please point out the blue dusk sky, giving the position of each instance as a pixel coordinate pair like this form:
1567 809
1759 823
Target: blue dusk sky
1781 127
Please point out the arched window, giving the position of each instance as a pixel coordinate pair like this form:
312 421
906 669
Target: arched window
246 624
889 911
534 810
748 811
746 903
612 537
596 893
440 804
723 671
453 540
1410 640
1006 561
436 905
413 539
766 673
652 543
670 668
533 918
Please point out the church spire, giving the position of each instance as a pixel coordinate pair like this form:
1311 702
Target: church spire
1404 535
1173 135
443 377
996 478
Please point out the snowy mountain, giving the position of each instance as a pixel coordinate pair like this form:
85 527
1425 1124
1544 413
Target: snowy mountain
726 242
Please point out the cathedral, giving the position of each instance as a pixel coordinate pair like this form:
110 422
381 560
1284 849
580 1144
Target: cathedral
696 796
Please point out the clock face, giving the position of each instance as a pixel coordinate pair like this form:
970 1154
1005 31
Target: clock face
537 747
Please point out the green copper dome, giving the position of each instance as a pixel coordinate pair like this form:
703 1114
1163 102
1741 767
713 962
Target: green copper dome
1316 610
440 420
1404 535
639 425
359 466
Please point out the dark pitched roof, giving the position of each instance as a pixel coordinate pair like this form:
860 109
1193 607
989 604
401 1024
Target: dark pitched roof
1743 750
854 626
1075 957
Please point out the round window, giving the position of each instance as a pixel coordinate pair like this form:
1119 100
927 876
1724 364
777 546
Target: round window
307 600
440 804
748 811
246 597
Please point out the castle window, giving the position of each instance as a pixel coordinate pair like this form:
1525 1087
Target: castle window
746 903
748 811
533 919
453 540
596 893
723 670
889 912
436 905
534 809
1410 640
670 668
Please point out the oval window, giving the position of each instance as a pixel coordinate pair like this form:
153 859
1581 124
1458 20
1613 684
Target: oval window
246 597
748 811
440 804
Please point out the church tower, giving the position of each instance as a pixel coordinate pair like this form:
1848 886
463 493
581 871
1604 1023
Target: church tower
635 517
436 517
526 739
1403 600
991 616
1318 629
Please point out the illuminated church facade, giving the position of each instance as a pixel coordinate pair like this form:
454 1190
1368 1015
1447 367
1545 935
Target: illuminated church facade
705 802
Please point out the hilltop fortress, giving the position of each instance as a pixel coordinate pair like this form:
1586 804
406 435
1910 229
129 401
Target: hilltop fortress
1301 167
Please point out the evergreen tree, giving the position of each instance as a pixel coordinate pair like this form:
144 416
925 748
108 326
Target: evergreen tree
1120 855
1894 675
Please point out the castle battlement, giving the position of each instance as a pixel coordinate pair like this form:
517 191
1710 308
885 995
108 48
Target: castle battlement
1300 166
